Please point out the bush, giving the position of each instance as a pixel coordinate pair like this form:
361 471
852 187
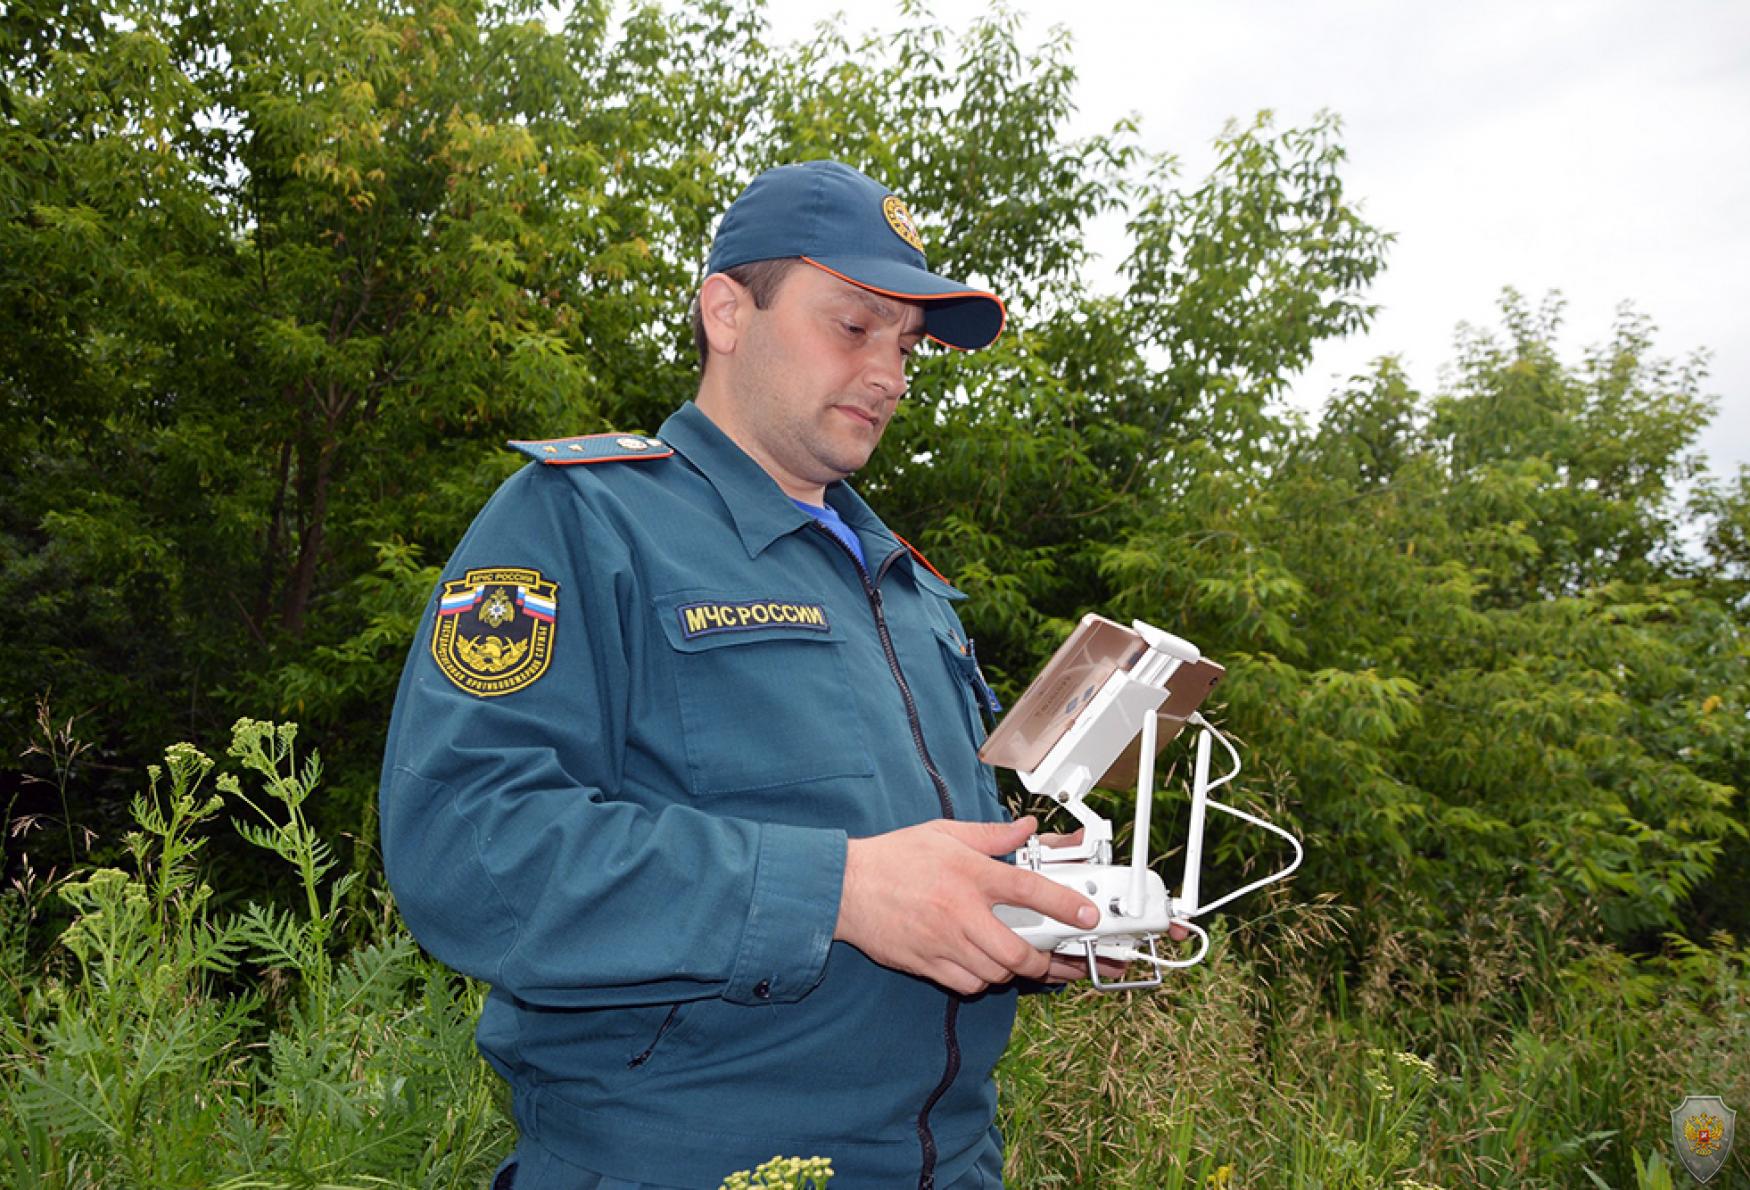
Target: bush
167 1042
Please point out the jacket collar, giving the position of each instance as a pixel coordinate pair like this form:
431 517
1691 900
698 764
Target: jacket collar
761 511
878 540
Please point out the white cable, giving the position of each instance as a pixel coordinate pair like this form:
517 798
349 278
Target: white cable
1198 720
1132 955
1299 852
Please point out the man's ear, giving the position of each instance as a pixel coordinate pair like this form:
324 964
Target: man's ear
724 305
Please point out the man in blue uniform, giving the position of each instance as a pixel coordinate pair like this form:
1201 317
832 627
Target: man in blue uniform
684 760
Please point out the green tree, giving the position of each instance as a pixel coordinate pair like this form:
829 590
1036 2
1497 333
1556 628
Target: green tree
1466 632
277 282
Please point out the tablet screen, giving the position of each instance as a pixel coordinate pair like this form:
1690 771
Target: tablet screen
1094 649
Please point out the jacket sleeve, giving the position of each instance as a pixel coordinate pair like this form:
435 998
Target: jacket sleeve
512 855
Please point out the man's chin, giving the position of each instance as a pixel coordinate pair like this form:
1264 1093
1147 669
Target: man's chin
849 457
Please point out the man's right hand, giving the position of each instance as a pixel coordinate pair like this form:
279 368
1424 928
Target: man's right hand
919 900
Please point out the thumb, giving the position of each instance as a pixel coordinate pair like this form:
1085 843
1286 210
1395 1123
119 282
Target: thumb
992 838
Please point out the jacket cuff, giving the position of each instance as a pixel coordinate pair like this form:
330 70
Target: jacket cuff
790 921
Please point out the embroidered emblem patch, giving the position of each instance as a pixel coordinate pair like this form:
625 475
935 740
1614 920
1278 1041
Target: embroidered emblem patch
710 618
899 219
494 629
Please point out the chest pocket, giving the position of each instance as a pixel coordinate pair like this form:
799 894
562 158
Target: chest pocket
957 656
765 693
962 666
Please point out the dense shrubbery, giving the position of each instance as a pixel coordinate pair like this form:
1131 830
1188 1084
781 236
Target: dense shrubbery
276 280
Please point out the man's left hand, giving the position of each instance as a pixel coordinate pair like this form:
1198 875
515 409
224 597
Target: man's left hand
1069 968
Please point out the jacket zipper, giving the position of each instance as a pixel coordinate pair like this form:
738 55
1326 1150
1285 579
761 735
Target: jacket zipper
950 1038
872 592
950 1035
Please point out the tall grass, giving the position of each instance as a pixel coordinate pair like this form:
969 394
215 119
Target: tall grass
164 1038
1252 1071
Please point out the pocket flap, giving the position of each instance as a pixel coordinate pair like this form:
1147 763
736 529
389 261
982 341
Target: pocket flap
936 586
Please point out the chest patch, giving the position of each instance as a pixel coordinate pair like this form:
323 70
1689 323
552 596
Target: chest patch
749 615
494 629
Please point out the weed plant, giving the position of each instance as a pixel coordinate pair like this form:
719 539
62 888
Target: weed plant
166 1044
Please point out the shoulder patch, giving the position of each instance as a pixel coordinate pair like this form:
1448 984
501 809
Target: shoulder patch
493 632
593 448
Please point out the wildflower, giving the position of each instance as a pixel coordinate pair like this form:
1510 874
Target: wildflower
187 757
1417 1063
783 1173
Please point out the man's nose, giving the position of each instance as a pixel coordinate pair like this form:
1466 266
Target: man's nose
887 373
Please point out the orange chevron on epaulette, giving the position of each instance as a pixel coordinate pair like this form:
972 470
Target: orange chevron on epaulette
593 448
925 562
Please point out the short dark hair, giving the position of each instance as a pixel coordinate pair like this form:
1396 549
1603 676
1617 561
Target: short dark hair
760 278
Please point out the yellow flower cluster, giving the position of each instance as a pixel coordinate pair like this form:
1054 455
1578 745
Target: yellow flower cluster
783 1173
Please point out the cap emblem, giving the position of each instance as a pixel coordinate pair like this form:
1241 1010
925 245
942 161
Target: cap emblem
899 219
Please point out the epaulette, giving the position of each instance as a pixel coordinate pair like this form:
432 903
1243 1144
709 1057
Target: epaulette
594 448
919 555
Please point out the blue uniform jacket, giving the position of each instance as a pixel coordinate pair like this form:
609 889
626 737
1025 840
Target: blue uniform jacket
648 704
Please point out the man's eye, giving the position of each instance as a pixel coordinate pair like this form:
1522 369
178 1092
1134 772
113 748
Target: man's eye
852 328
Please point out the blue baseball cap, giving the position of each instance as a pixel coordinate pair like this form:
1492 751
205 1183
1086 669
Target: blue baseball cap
853 227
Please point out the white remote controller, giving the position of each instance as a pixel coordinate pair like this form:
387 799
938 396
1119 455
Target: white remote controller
1108 886
1135 910
1125 932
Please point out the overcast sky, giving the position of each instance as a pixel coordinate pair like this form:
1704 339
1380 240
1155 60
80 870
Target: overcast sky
1600 148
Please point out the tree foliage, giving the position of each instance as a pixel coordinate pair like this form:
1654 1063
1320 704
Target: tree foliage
277 281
